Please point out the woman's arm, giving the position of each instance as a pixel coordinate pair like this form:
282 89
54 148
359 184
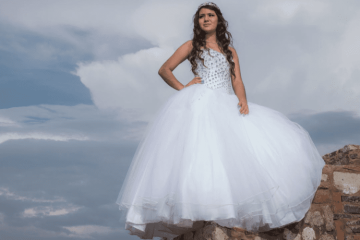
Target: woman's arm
238 84
178 57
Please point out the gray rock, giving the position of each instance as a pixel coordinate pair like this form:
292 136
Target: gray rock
212 231
189 236
351 209
288 235
308 234
327 237
329 218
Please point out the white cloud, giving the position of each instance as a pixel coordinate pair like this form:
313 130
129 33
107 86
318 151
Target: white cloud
308 59
347 56
65 123
48 211
86 231
6 122
131 82
87 27
42 16
40 136
284 11
164 23
14 196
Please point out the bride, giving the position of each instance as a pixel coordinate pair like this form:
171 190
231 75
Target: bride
204 159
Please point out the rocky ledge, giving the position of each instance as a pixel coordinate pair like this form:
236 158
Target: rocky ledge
334 213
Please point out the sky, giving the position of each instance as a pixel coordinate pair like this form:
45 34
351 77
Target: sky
79 84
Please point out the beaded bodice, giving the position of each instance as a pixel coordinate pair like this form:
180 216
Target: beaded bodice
216 74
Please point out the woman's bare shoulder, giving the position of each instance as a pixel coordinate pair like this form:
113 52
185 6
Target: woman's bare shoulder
232 49
189 45
185 49
233 52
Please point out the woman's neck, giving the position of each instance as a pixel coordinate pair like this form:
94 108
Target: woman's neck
211 37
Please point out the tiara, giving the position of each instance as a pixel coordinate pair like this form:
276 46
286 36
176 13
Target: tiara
208 3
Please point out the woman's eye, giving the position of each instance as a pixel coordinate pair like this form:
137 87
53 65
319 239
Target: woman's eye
210 15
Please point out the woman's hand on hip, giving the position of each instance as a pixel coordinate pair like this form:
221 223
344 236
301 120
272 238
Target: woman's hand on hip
195 80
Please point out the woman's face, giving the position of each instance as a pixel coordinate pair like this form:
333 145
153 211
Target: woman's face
208 20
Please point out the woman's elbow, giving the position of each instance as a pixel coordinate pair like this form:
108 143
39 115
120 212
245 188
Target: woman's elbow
161 70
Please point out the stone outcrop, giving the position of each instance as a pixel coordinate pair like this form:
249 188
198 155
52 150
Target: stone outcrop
333 215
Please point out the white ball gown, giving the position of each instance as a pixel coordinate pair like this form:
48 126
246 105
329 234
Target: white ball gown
201 160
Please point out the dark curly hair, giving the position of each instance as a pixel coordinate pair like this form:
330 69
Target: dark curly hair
223 38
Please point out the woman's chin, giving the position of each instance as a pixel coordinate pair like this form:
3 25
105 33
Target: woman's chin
209 30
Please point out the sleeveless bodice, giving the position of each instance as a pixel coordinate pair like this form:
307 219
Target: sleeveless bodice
216 72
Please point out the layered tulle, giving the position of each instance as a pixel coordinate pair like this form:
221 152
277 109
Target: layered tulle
201 160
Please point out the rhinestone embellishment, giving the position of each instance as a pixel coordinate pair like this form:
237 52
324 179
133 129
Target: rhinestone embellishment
217 74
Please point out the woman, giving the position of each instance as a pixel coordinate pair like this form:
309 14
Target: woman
203 159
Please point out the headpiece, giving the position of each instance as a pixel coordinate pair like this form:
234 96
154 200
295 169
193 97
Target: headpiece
208 3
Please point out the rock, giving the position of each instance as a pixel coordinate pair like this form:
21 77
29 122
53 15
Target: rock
212 231
317 219
348 230
288 235
308 217
329 218
314 219
189 236
349 147
308 234
352 209
199 234
348 183
298 237
341 216
355 229
322 196
324 177
235 233
327 237
353 199
352 223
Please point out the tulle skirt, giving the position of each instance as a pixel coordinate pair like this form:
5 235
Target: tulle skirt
201 160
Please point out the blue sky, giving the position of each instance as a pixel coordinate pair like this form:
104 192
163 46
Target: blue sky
79 83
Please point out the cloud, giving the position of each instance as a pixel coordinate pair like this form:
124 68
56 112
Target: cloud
11 195
88 231
40 136
42 16
159 22
65 123
131 83
331 130
75 29
64 189
347 59
298 61
301 60
6 122
284 12
47 211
